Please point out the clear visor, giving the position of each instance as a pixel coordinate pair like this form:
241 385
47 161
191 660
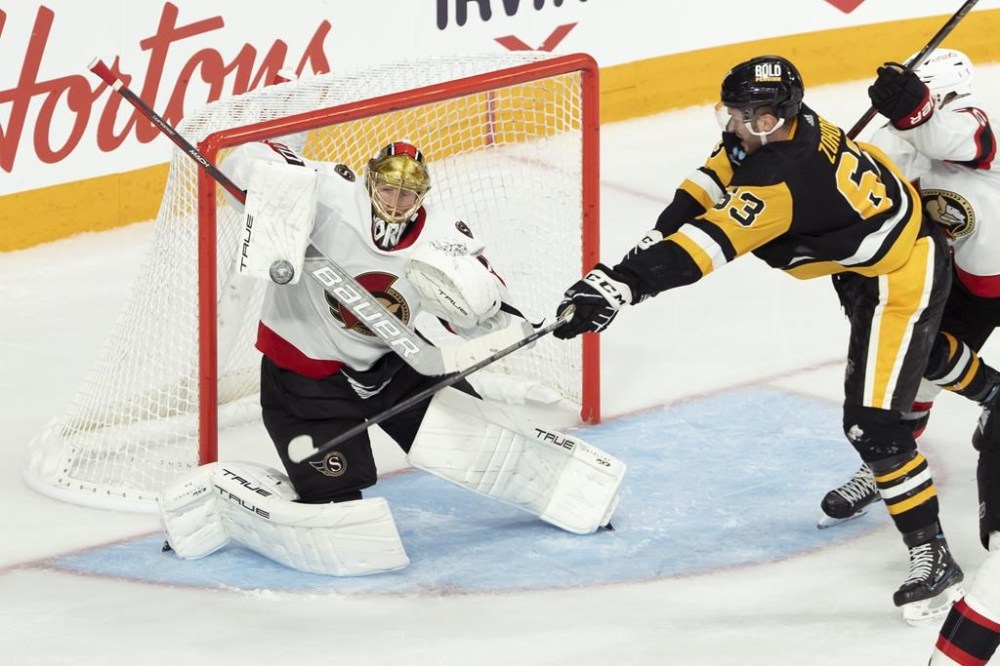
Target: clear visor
723 116
730 117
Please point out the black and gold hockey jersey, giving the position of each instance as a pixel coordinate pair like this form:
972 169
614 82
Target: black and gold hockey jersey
816 204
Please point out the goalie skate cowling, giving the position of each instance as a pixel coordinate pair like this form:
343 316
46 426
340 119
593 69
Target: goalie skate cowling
770 460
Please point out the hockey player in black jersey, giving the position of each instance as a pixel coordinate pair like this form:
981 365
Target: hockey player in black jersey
790 187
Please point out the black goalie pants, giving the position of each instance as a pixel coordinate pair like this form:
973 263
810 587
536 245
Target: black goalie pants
295 406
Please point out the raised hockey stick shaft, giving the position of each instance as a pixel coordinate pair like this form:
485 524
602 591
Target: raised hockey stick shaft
928 47
426 394
98 67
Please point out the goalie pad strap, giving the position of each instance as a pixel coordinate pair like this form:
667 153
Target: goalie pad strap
483 448
253 505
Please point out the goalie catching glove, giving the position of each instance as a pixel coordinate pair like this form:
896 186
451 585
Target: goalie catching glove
454 284
597 299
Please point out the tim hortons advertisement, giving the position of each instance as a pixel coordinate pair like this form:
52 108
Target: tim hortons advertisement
59 124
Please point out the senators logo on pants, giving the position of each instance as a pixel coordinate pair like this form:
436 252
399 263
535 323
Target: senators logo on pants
333 464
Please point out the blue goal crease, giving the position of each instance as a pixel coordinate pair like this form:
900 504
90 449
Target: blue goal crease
729 480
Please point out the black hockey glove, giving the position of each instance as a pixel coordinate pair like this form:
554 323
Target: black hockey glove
901 96
597 299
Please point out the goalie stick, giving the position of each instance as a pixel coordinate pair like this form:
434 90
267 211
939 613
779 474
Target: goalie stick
928 47
300 449
419 354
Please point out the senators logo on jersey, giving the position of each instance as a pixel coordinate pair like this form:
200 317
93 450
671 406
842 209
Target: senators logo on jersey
950 210
380 286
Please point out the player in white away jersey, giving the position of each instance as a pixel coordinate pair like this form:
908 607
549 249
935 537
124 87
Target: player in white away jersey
324 372
942 138
370 226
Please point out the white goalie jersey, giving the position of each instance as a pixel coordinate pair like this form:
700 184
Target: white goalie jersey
954 157
304 329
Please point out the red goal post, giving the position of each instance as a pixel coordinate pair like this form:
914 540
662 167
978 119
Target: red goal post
512 143
584 65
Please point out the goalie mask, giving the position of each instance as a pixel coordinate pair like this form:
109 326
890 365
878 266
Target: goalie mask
397 182
948 74
769 84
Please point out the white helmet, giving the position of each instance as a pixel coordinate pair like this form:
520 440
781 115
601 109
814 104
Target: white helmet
947 72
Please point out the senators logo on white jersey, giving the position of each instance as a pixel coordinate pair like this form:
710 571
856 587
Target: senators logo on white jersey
951 210
295 331
380 286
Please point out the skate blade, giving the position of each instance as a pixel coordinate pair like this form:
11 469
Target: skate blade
931 611
826 521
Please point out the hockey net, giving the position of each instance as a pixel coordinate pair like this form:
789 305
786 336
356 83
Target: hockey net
511 143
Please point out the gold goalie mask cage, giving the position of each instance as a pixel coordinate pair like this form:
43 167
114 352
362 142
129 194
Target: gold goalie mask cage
397 181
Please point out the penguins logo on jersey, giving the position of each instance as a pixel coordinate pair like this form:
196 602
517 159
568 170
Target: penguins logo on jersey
950 210
378 285
333 464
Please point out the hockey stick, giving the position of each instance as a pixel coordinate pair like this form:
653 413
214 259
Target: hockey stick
422 356
928 47
300 449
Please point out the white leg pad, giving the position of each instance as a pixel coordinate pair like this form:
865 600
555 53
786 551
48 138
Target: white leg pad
481 447
255 507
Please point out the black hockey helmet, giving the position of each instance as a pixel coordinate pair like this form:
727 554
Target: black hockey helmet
770 81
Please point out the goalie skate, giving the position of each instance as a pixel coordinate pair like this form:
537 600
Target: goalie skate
933 585
850 500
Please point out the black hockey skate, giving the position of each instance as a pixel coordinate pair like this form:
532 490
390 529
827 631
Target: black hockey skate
850 500
933 584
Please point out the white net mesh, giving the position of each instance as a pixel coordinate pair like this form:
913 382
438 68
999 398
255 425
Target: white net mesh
508 160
